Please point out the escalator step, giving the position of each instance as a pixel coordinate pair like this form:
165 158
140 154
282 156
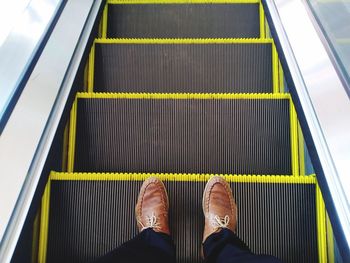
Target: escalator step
233 66
90 214
183 133
183 20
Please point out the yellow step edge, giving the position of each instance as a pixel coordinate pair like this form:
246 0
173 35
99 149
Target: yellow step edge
294 139
35 237
184 40
280 77
106 95
330 241
104 22
71 138
275 61
91 69
301 150
321 227
44 223
262 21
183 177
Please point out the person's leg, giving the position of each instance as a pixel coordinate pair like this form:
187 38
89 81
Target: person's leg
153 243
220 243
148 246
226 247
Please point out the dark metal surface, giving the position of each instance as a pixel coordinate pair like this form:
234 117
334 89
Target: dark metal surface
183 136
90 218
183 21
213 68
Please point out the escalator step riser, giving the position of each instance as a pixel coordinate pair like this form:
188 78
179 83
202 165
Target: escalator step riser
184 68
183 21
183 136
90 218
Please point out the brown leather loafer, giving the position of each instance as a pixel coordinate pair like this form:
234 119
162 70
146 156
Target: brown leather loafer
219 207
152 206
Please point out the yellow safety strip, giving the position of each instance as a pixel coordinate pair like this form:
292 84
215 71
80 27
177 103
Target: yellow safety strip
72 129
65 147
275 62
183 41
330 241
183 177
91 68
321 227
44 223
104 21
216 96
262 21
86 75
35 240
294 138
281 77
100 25
267 30
301 151
183 1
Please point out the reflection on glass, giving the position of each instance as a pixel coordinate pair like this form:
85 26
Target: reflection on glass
334 19
24 24
10 13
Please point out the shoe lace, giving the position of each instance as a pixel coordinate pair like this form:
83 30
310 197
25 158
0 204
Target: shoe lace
220 222
151 222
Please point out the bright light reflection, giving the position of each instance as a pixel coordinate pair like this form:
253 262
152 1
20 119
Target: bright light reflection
32 23
22 25
10 13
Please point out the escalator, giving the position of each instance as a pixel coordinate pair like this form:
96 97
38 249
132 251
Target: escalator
182 91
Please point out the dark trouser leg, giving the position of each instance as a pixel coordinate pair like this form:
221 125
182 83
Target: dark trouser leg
226 247
148 246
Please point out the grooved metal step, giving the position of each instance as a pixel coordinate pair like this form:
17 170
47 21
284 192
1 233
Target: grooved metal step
87 215
183 133
226 20
184 66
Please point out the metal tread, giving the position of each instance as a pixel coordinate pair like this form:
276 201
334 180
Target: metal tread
183 20
183 133
83 220
180 65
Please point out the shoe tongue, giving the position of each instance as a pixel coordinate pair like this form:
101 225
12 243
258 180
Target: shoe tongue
219 203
